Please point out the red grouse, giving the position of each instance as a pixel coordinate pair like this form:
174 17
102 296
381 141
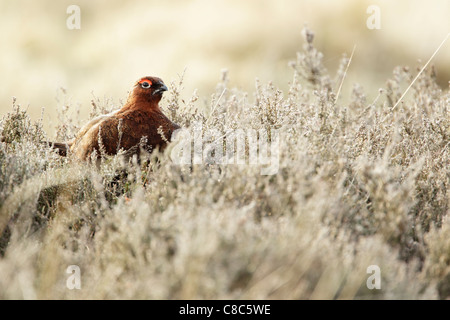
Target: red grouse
139 121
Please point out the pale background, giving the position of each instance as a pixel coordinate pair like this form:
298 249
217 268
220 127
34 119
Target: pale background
120 41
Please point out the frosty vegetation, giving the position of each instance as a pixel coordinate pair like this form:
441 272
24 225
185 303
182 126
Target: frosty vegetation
358 184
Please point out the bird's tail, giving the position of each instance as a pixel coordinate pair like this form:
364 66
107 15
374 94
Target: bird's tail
61 147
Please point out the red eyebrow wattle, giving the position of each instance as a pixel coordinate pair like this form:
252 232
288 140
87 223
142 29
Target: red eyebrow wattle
145 80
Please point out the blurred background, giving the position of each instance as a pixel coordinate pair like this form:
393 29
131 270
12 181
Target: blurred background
121 41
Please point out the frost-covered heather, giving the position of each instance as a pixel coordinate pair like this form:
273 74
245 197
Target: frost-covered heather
358 184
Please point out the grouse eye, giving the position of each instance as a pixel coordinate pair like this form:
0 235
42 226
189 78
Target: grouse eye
145 85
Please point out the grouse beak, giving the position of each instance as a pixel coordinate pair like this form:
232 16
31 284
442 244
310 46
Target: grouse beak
160 89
